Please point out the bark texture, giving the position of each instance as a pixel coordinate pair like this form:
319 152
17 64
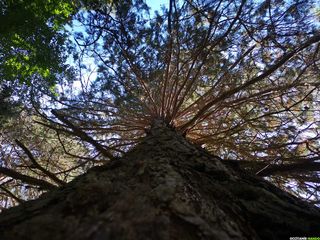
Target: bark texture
165 188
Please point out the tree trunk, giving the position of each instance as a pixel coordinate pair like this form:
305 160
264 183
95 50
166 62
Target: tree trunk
165 188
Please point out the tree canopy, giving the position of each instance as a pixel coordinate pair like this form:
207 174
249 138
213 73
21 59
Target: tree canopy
32 49
238 78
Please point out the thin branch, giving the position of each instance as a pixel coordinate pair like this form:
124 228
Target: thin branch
51 175
27 179
84 136
280 62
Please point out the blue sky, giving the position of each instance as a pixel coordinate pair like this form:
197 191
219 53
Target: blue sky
156 4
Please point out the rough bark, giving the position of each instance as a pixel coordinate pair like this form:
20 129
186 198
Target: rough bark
165 188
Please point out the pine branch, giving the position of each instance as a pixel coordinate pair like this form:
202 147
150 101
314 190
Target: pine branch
295 167
51 175
11 195
27 179
280 62
82 135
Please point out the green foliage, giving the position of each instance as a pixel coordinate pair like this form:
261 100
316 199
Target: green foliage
32 48
30 43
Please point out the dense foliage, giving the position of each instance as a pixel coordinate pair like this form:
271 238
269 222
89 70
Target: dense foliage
239 78
32 49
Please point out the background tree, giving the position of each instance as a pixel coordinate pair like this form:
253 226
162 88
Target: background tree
32 49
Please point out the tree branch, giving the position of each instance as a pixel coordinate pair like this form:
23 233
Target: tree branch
27 179
84 136
51 175
281 61
295 167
